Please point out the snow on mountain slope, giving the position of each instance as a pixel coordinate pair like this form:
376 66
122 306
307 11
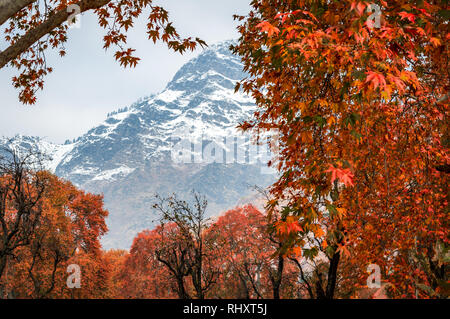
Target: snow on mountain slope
201 96
52 153
128 156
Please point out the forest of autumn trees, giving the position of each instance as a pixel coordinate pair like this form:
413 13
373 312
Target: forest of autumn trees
48 225
360 104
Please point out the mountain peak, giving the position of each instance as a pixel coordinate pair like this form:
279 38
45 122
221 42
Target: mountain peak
128 156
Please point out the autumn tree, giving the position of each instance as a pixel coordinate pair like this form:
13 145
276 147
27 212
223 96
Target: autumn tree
251 267
359 96
240 234
21 191
114 260
157 266
48 250
31 27
65 230
194 246
238 255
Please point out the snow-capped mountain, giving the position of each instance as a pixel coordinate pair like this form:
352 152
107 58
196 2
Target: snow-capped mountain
130 156
52 153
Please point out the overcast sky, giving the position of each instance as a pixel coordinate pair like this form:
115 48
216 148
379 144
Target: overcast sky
87 83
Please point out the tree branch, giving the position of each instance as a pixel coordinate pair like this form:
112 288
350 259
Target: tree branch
8 8
54 20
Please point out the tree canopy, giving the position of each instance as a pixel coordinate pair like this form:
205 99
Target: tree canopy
362 116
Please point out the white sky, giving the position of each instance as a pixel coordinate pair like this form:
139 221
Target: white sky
87 83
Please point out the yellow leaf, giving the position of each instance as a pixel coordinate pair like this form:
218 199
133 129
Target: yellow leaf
341 211
317 230
435 42
331 120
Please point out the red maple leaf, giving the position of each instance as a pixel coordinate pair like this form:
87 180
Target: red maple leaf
344 175
408 16
376 79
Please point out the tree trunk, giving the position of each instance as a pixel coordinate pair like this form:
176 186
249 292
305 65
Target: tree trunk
332 276
182 294
277 278
244 293
3 260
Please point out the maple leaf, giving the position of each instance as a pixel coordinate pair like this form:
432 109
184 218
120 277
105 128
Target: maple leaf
398 83
435 42
408 16
346 177
343 174
294 227
267 27
291 225
344 250
376 79
296 251
359 7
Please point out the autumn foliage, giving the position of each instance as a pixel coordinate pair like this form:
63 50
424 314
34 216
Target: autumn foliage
32 27
241 257
358 93
362 115
67 231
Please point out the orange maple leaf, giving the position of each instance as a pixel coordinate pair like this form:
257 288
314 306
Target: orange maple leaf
344 175
376 79
267 27
291 225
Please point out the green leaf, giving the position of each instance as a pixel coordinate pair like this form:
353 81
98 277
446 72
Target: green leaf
356 135
360 75
330 250
332 209
320 120
307 119
310 253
